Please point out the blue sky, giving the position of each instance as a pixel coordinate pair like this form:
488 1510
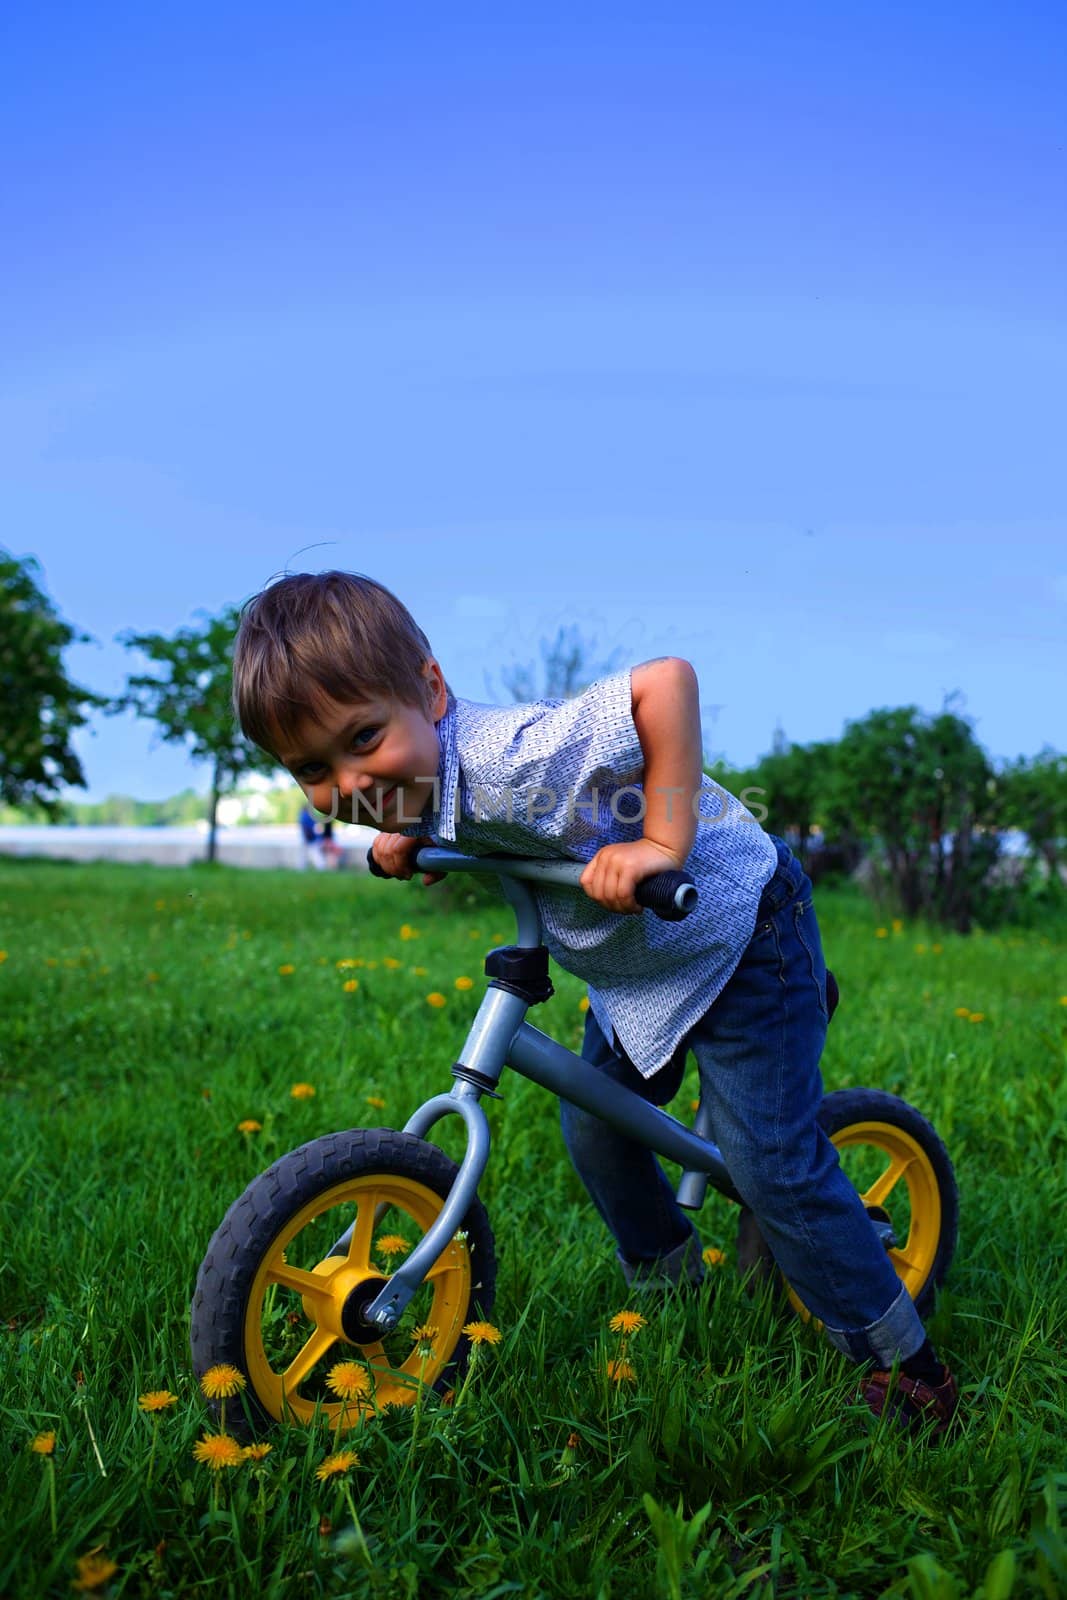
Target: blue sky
737 333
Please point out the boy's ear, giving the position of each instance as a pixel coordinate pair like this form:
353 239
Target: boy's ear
437 689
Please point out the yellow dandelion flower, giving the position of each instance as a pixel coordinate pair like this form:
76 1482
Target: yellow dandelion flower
218 1450
391 962
371 966
464 983
157 1400
976 1016
712 1257
348 1380
343 966
937 948
257 1452
482 1333
302 1091
1063 999
694 1105
420 972
392 1244
161 905
583 1004
44 1443
222 1381
350 985
408 932
920 949
425 1333
436 1000
621 1372
897 925
881 933
151 977
341 1461
475 933
963 1011
250 1125
626 1322
94 1570
286 969
49 961
376 1102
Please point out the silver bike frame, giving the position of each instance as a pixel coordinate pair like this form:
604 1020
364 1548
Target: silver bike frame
499 1037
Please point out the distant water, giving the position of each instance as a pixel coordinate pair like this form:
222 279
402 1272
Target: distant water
253 846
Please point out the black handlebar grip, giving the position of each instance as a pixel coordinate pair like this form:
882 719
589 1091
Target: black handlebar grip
372 866
671 895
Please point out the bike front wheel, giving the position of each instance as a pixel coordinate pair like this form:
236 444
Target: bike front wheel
301 1255
902 1173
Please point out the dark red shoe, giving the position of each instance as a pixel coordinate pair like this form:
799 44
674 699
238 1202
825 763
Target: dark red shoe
921 1408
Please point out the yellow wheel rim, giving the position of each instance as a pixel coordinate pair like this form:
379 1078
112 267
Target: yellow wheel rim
904 1184
293 1333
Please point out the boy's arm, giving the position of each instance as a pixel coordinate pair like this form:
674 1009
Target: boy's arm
666 712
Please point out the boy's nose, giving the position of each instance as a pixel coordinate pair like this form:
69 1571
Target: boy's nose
350 780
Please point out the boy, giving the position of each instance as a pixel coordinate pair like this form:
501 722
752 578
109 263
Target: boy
333 676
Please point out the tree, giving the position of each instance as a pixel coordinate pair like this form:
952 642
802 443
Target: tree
923 788
1034 797
190 700
568 666
41 706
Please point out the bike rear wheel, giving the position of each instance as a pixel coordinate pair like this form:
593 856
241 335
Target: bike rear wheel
279 1300
904 1177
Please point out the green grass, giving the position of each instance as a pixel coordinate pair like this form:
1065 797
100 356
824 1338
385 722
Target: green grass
144 1016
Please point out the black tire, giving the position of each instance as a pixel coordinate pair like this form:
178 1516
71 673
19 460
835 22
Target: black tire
923 1208
285 1226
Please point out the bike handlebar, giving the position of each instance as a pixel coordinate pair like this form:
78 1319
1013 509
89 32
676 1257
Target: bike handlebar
670 895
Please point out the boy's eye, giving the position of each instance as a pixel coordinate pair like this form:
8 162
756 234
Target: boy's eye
365 736
309 773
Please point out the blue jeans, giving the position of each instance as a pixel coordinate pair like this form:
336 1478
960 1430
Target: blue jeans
758 1048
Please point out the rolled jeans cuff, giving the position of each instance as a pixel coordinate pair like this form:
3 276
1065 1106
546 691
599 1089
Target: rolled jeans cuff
894 1337
684 1262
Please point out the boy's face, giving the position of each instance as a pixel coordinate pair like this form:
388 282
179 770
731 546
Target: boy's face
374 762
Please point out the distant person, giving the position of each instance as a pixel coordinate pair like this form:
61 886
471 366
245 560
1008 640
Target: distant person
331 849
312 837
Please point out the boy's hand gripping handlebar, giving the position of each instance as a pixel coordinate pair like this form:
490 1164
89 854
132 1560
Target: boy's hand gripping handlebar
670 895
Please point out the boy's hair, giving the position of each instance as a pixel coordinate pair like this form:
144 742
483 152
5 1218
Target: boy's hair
311 637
